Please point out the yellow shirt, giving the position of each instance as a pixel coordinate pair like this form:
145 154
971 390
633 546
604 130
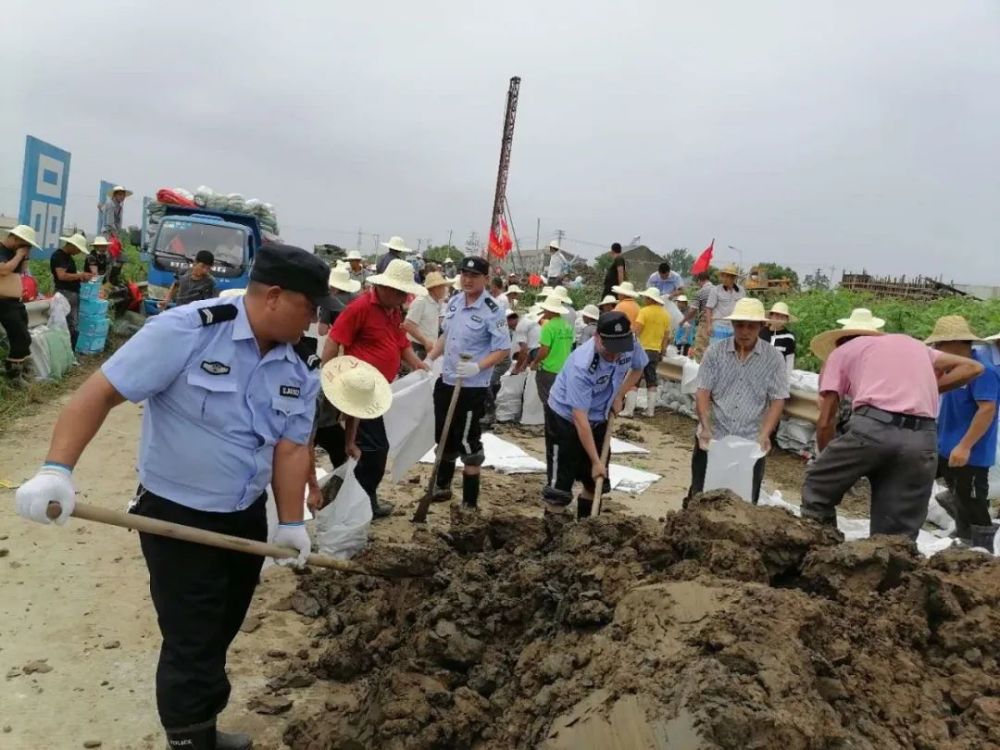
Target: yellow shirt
630 307
655 324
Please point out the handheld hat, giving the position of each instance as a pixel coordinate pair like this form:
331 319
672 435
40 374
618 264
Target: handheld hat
397 244
514 289
120 189
353 255
232 293
398 275
553 306
356 388
340 278
294 270
780 308
748 309
861 323
100 241
76 240
434 279
591 311
654 294
952 328
615 331
474 264
25 233
609 299
730 270
626 288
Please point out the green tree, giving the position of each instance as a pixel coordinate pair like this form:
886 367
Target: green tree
776 271
817 282
441 253
680 260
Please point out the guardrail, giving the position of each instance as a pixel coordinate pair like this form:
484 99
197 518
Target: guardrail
800 405
38 311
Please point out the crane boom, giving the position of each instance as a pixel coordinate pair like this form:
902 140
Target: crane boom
505 145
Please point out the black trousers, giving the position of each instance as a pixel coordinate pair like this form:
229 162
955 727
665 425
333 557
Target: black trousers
14 320
374 445
699 464
201 595
970 486
333 440
566 460
464 438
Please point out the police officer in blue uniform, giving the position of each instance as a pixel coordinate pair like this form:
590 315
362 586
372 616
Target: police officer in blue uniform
230 394
475 340
592 384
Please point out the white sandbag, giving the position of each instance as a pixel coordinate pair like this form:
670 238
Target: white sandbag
730 465
936 514
58 310
409 423
689 377
796 435
511 397
40 352
994 478
532 412
618 447
342 527
676 316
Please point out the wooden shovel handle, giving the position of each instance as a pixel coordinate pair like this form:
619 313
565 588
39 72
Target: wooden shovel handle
595 509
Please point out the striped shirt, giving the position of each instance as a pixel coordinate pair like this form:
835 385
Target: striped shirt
701 300
721 301
741 391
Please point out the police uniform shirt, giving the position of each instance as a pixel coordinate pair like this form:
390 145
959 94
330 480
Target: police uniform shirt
588 381
215 407
477 330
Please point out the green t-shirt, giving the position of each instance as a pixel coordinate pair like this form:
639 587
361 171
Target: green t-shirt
557 335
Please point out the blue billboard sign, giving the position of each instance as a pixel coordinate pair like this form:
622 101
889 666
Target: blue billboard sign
103 196
43 191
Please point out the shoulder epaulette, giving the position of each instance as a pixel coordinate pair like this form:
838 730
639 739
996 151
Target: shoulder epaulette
594 362
217 314
491 304
306 349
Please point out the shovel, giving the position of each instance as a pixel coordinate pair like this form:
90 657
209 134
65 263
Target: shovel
201 536
425 502
595 509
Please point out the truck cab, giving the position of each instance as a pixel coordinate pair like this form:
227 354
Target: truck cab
233 239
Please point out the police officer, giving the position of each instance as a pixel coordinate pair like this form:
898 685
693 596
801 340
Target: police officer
475 339
230 395
592 383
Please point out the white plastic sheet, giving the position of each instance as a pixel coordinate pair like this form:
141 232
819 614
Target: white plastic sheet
409 423
730 465
40 352
58 310
689 377
342 527
620 447
503 456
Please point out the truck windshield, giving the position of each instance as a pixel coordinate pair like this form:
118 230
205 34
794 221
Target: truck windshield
179 237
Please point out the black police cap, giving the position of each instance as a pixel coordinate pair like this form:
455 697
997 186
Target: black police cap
296 270
615 331
475 264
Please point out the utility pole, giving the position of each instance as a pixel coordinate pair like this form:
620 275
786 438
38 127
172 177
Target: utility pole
538 233
506 141
375 248
559 235
450 232
359 239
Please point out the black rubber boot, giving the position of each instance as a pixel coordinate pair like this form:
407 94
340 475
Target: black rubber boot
442 485
470 491
197 737
982 536
584 506
232 741
381 509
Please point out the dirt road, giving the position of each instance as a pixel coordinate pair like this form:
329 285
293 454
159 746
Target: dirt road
78 636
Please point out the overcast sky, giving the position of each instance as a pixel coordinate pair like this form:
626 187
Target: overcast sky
844 133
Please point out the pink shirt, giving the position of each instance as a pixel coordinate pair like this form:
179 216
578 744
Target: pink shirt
894 372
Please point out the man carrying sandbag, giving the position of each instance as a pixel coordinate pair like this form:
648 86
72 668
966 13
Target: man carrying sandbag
742 387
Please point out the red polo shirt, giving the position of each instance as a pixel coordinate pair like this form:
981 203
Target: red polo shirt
371 333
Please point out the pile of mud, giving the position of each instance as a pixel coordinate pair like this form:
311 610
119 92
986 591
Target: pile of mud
730 626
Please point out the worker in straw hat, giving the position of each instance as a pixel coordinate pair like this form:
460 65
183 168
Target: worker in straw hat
111 211
586 324
652 328
967 435
776 334
343 288
607 303
555 344
627 304
742 387
558 265
97 260
722 301
396 250
371 329
528 332
684 335
893 382
356 265
66 279
14 251
514 294
423 319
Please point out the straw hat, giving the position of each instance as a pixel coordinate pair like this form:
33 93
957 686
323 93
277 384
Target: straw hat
397 244
353 255
590 311
730 270
680 298
434 279
514 289
397 275
232 293
654 294
100 241
861 323
780 308
554 245
609 299
356 388
952 328
748 309
77 240
861 317
546 291
562 295
26 233
553 306
340 278
626 288
120 189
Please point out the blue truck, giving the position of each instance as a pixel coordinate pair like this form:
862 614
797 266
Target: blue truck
233 238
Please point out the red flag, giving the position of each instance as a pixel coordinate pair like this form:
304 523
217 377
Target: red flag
505 241
701 265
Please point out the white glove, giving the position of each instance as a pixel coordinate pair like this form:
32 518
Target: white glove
295 536
467 369
52 484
